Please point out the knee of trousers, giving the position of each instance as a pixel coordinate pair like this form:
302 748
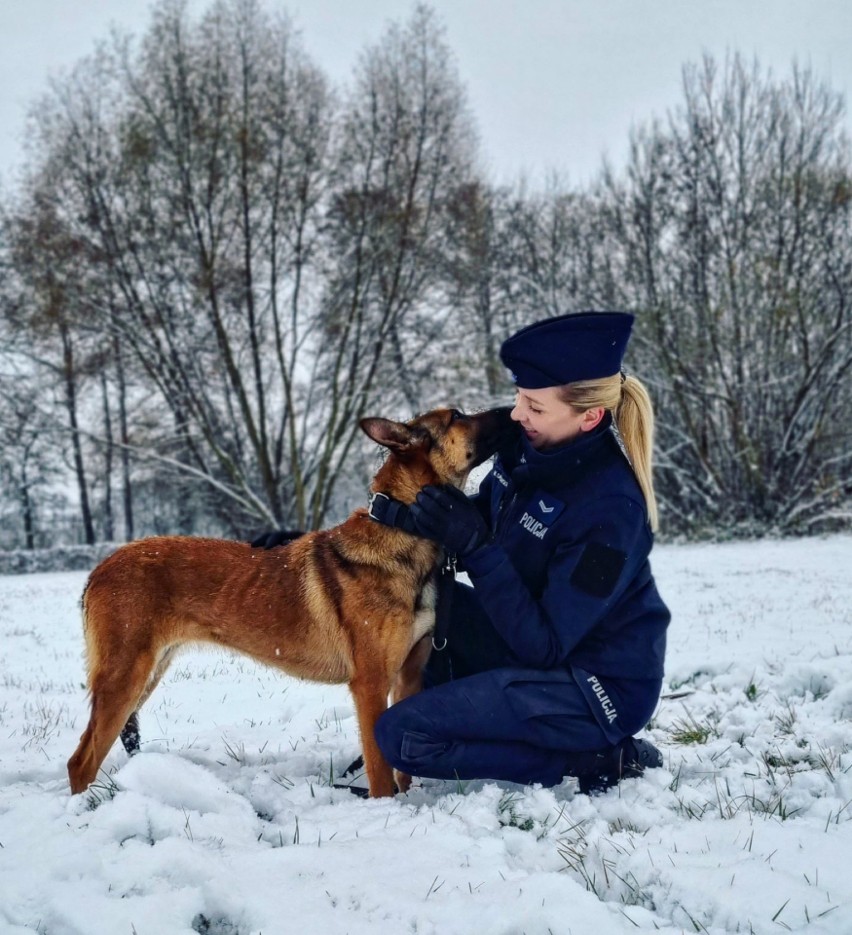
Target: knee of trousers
388 733
404 742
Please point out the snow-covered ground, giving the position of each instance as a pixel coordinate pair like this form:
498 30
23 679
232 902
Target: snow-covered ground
226 822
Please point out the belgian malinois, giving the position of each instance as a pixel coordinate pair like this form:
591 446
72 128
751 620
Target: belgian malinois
354 603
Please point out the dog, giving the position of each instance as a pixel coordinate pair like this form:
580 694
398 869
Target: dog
354 603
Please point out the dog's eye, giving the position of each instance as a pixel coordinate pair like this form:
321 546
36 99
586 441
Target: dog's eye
455 414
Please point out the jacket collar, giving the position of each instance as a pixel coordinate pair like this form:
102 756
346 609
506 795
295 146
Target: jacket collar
565 464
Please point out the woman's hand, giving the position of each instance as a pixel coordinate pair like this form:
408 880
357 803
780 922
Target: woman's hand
445 515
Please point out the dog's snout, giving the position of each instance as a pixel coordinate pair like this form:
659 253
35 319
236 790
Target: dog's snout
495 430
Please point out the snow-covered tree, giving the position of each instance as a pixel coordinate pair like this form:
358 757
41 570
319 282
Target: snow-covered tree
733 233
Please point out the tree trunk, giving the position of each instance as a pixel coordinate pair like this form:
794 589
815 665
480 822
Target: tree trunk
27 510
109 522
126 487
71 405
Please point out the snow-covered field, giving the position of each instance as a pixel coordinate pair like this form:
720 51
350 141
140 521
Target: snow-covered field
226 822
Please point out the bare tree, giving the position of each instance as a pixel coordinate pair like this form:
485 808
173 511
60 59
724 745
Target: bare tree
197 169
28 464
50 265
733 231
261 254
405 144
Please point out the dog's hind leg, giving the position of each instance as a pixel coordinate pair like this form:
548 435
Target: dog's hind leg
130 734
115 698
130 731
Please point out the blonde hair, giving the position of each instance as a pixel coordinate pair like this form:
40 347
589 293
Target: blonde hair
633 414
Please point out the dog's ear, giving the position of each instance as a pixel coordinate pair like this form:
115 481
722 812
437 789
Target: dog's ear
397 436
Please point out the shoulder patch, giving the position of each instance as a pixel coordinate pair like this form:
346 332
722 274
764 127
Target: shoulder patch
545 507
598 570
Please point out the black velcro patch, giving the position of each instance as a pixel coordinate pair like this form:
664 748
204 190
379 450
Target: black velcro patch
598 569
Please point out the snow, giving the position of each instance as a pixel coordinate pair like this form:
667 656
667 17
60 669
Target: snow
226 823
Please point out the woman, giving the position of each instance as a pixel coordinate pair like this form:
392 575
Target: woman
555 655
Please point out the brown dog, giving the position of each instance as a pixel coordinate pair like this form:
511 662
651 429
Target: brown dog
350 604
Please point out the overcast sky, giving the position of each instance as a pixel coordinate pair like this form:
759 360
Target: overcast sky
553 84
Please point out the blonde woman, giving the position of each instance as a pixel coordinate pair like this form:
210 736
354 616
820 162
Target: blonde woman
554 657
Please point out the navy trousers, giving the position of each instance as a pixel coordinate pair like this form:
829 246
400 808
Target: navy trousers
483 716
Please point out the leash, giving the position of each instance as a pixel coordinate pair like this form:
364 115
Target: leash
444 602
440 663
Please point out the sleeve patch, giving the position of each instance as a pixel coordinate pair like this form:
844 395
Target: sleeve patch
598 570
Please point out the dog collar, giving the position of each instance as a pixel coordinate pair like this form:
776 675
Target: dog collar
389 512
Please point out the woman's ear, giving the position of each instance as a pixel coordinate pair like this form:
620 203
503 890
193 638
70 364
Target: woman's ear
592 418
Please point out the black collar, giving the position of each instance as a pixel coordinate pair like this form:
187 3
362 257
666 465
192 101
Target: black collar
389 512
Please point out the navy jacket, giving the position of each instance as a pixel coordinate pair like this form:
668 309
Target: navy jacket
566 579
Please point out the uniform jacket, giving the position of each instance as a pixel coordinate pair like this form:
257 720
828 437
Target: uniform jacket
566 579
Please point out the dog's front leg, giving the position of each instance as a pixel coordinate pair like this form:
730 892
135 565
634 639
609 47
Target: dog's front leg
370 693
408 682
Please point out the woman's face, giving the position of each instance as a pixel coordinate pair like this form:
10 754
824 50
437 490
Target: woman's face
547 421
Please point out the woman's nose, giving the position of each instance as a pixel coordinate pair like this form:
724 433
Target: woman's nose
515 414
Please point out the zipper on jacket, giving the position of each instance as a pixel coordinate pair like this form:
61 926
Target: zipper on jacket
500 521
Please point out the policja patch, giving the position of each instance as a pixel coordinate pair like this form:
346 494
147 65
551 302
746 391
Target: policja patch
540 513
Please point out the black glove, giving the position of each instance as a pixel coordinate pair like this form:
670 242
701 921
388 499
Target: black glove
271 540
445 515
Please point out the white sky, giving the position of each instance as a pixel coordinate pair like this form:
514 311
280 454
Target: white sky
553 84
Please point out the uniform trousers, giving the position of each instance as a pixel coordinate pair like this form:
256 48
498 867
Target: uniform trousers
483 715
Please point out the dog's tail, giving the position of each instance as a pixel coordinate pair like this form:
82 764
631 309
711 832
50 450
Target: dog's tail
89 648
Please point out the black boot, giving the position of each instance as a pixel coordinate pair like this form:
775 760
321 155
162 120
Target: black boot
627 760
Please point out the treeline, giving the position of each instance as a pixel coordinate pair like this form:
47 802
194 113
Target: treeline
215 263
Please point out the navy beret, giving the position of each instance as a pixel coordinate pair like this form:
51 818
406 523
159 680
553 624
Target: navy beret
568 348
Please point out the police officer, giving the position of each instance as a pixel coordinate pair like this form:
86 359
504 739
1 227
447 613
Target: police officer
555 654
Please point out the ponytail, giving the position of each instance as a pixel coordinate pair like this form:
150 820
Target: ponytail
628 401
634 419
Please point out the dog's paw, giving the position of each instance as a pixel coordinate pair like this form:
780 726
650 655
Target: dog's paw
403 781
